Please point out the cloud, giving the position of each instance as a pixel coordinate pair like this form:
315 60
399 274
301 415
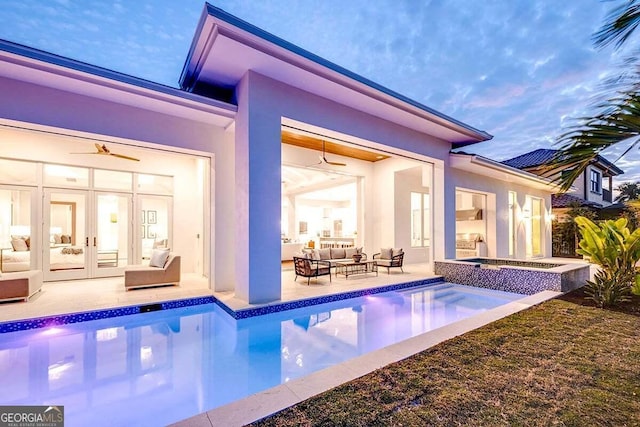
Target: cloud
519 70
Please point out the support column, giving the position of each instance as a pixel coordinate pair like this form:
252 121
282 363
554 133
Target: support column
258 194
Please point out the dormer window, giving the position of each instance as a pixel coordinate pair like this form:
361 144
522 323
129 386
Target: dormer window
596 182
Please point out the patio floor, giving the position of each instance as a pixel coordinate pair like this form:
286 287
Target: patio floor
76 296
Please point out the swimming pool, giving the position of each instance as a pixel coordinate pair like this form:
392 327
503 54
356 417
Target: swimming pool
160 367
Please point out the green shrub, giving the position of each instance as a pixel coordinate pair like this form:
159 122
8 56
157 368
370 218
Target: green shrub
606 291
616 250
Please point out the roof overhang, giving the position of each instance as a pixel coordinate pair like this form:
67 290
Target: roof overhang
486 167
224 48
608 168
30 65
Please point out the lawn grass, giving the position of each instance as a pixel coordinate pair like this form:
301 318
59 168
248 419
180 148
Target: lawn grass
561 363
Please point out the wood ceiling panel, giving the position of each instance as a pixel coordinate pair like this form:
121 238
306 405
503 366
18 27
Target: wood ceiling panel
313 143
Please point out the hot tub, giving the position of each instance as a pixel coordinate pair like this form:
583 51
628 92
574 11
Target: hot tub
521 276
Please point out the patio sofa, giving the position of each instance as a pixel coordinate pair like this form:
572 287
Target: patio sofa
20 285
163 269
332 255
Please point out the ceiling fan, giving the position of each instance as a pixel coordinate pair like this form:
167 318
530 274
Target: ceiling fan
103 150
323 159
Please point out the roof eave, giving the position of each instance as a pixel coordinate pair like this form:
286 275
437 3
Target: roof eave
206 33
492 164
59 67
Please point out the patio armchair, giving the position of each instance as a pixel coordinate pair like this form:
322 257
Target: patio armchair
389 258
311 268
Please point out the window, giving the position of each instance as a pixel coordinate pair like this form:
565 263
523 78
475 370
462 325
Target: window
596 182
420 219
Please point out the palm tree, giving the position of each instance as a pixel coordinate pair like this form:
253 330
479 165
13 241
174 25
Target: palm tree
619 116
628 191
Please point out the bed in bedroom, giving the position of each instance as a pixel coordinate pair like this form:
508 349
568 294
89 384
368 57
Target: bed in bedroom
62 256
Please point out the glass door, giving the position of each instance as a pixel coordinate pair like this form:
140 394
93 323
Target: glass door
65 234
155 225
18 242
111 242
534 212
513 221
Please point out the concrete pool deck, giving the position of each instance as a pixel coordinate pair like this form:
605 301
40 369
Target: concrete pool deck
265 403
75 296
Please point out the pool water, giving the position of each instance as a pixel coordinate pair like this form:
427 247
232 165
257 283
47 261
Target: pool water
157 368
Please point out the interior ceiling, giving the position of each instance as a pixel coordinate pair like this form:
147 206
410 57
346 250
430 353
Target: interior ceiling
300 180
315 143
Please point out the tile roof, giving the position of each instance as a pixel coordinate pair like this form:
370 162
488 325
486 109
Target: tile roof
543 155
532 158
568 201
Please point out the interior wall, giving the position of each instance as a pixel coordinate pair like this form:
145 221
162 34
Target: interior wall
407 181
387 219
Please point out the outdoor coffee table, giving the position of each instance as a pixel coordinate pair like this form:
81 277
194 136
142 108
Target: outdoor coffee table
349 268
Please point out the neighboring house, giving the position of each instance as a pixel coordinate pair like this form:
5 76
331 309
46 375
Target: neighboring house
593 190
264 144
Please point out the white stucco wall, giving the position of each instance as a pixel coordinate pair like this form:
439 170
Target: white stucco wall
83 115
497 212
263 103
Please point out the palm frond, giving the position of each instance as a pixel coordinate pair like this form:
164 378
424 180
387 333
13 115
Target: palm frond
617 121
619 24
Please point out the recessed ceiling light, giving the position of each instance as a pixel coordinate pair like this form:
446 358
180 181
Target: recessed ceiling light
379 157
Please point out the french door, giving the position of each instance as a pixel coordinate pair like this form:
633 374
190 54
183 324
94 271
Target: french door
86 233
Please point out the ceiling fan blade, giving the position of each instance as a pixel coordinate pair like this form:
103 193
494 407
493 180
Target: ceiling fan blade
122 156
88 152
336 163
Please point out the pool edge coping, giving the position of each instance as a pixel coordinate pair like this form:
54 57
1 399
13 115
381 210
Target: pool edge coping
270 401
278 306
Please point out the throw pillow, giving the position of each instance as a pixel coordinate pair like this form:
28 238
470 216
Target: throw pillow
159 258
350 252
315 254
337 253
325 253
396 251
65 239
19 245
386 253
